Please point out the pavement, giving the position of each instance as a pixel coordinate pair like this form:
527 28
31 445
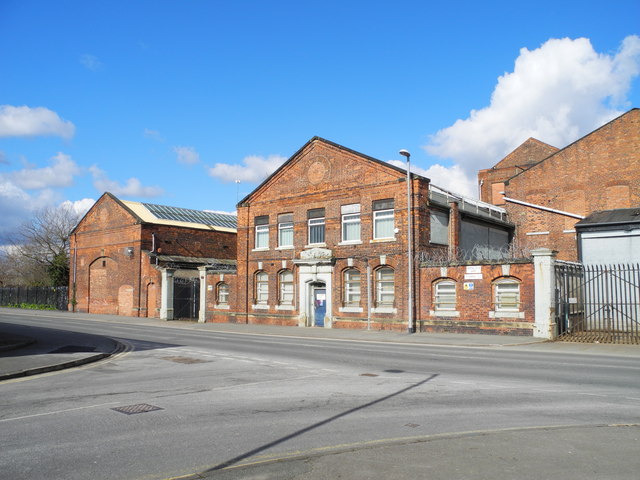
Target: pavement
556 451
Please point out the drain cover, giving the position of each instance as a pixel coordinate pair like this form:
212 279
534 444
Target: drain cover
184 359
412 425
368 375
138 408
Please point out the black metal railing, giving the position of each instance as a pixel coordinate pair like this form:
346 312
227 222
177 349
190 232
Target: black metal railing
598 303
53 297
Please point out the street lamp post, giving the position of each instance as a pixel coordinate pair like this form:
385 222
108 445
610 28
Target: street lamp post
410 327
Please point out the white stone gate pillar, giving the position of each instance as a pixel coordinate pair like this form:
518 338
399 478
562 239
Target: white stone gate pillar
545 305
166 301
202 313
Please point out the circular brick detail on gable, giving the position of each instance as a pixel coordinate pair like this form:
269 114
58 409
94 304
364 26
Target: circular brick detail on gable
318 170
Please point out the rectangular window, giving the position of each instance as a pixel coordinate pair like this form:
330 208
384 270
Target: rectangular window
350 223
507 296
439 227
286 288
383 221
262 288
352 287
285 230
316 225
262 231
445 296
223 293
385 287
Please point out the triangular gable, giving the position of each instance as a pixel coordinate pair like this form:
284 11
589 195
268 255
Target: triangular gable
527 154
106 197
318 163
558 154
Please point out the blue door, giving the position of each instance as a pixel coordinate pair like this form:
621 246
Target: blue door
319 306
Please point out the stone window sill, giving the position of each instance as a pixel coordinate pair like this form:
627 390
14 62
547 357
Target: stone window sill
351 309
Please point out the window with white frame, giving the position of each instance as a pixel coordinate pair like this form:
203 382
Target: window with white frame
385 286
222 293
383 221
350 222
262 231
445 295
316 225
262 288
285 230
352 287
507 295
286 287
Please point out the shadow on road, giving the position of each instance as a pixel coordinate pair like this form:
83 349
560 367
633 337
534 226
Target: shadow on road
262 448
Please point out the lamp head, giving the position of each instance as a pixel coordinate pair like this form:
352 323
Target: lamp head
405 153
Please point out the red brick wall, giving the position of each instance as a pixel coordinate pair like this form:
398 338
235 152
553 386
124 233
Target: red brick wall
475 307
326 176
521 158
598 172
110 281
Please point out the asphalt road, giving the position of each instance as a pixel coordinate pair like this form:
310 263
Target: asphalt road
220 400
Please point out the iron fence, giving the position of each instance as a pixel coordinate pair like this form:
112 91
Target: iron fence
55 297
598 303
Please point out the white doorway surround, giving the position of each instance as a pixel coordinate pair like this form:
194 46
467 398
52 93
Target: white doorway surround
315 266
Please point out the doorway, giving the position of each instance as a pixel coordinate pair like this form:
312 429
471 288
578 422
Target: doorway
319 304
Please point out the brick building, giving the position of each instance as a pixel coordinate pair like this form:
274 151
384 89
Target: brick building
130 258
547 192
323 242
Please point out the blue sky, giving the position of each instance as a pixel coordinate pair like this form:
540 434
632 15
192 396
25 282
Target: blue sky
170 101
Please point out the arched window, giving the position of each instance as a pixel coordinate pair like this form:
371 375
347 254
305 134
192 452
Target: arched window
385 286
262 288
222 293
444 295
507 295
351 287
285 279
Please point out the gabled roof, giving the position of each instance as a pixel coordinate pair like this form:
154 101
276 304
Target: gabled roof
335 145
532 145
182 217
632 111
148 213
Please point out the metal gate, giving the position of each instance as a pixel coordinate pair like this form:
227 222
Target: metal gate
598 303
186 298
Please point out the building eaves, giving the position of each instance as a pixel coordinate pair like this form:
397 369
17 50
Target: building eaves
620 216
335 145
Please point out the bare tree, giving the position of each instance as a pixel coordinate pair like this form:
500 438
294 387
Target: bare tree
39 251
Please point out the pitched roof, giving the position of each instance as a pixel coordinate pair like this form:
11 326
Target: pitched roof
182 217
619 216
335 145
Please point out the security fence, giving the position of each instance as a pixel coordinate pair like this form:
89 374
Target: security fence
53 297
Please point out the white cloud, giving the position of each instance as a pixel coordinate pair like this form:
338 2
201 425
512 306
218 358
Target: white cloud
153 135
60 174
91 62
132 188
79 206
26 121
556 93
254 170
187 155
223 212
453 179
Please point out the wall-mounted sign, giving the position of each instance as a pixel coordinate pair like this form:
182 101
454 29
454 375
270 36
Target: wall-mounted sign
473 276
474 269
468 285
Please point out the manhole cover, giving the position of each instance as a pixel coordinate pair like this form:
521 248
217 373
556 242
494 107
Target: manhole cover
412 425
138 408
184 359
368 375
